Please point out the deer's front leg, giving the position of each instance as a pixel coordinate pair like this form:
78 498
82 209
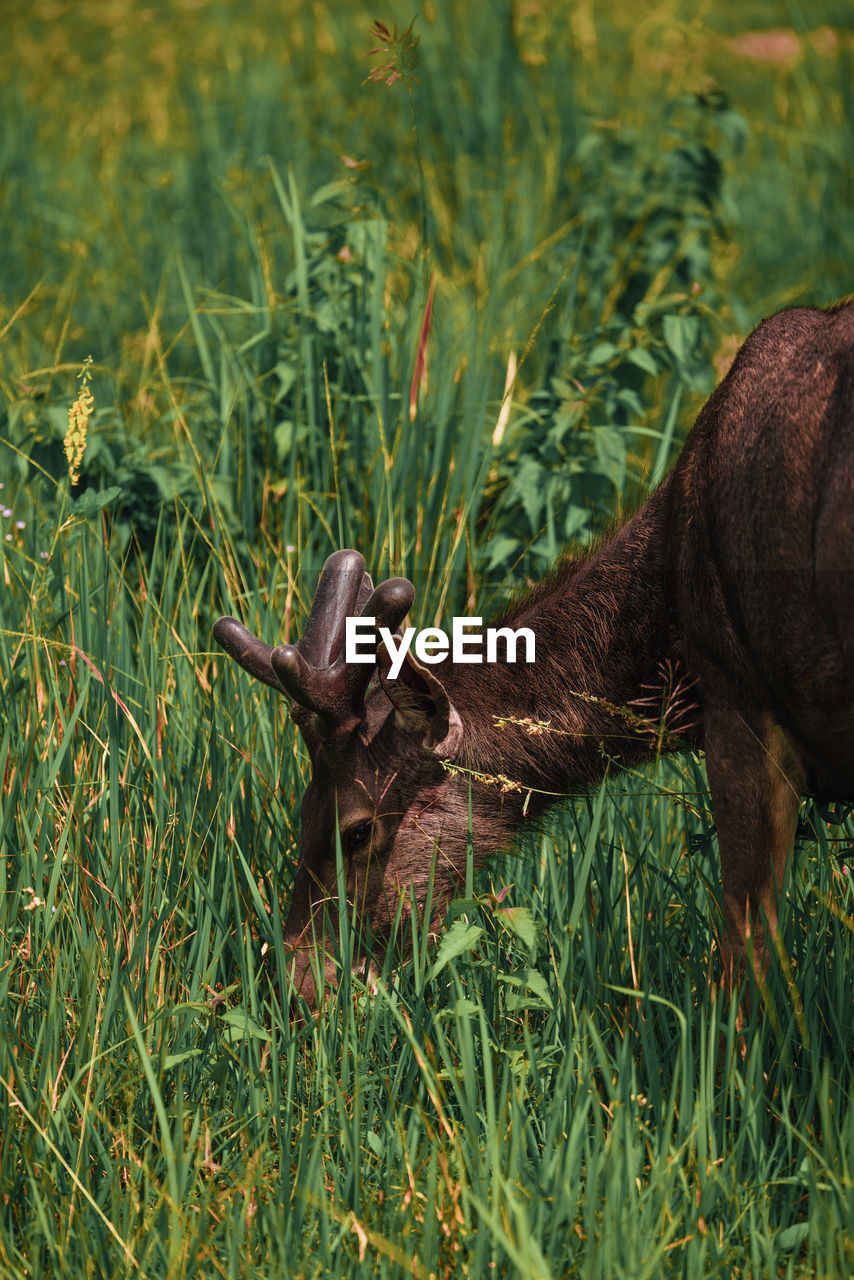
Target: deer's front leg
756 781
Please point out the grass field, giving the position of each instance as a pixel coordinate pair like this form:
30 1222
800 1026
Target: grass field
455 318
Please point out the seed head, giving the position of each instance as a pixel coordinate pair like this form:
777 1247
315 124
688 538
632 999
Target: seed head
400 48
78 423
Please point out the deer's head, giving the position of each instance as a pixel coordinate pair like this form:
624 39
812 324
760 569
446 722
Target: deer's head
377 748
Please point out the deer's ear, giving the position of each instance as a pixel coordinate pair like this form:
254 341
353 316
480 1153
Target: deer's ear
421 705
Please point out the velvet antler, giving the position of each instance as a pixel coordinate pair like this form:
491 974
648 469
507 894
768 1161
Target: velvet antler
313 672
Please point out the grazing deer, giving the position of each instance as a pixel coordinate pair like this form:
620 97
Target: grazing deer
724 609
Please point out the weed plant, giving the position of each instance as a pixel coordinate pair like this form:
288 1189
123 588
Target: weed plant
453 319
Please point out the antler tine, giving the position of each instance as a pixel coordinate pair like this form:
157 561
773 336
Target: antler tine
343 583
390 603
313 672
341 580
252 654
336 691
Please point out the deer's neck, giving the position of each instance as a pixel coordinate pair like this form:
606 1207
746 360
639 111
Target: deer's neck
606 651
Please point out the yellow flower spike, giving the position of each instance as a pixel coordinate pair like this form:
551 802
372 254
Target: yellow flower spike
78 423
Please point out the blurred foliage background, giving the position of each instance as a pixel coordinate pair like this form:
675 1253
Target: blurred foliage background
219 208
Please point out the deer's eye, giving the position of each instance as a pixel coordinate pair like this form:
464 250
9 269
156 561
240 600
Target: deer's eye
358 836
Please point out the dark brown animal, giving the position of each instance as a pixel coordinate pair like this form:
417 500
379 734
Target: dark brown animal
731 589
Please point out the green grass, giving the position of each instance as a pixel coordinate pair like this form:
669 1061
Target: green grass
558 1087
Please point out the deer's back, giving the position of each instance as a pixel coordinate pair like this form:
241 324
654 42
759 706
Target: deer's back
763 496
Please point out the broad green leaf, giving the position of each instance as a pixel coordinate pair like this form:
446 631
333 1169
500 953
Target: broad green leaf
520 921
460 937
602 353
242 1027
791 1237
643 358
681 334
175 1059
